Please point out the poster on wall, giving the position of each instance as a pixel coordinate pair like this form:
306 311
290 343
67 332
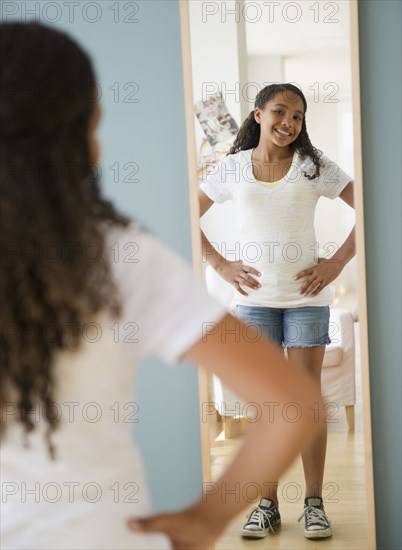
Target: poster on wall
216 121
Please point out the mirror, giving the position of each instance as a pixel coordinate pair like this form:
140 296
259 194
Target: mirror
231 50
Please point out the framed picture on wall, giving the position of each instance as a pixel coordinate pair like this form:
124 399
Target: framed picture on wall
216 121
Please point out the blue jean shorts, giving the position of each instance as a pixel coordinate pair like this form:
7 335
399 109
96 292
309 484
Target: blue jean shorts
299 327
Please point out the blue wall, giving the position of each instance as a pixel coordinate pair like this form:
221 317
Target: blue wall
149 132
380 74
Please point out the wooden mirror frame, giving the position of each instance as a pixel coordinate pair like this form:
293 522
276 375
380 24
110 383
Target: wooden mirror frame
360 249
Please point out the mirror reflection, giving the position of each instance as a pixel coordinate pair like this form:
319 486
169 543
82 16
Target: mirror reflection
275 177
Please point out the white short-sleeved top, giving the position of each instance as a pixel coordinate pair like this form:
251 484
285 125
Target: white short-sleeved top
276 223
82 500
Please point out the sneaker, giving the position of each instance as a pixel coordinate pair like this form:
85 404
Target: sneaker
261 520
317 525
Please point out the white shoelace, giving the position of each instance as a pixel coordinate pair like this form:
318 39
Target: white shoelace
257 515
316 516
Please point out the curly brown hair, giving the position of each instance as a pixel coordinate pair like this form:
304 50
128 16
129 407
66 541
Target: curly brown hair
53 217
248 135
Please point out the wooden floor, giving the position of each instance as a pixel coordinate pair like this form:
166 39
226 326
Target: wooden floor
344 490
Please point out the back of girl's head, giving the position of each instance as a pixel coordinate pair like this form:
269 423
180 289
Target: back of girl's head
248 135
47 82
50 204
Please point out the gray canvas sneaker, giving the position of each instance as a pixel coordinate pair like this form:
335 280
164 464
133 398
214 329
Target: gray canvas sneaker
262 519
317 525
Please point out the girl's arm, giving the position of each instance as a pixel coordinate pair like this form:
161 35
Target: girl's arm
289 414
209 253
348 249
327 270
235 273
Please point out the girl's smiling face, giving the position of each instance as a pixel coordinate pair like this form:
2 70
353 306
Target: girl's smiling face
281 119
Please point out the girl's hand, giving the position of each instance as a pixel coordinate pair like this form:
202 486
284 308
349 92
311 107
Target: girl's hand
236 273
319 276
186 530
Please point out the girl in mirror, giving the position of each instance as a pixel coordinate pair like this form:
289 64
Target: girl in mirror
275 177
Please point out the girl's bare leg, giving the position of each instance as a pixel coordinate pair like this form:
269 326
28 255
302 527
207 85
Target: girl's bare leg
270 489
314 457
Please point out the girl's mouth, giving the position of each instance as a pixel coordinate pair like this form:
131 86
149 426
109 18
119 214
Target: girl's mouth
283 134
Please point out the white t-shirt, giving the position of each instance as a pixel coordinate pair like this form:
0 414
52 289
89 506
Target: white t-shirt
276 224
82 500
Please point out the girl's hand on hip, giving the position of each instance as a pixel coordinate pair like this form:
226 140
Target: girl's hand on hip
236 273
319 276
186 529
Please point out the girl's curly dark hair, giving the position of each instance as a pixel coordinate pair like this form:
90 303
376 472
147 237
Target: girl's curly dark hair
248 135
53 216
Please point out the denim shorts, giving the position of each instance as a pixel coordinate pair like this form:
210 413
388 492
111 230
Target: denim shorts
299 327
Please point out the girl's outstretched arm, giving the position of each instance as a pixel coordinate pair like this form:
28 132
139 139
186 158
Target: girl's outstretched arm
289 414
